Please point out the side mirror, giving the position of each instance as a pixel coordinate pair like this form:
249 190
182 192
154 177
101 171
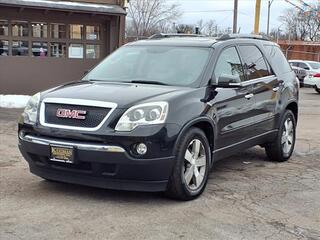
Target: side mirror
229 81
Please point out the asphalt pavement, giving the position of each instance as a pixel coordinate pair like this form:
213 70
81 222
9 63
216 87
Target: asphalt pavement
247 197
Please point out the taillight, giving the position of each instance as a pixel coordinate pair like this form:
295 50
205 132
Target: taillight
317 75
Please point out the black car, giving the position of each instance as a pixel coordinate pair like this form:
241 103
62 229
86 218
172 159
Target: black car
156 114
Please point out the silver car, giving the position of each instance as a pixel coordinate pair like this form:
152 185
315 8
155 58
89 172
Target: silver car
312 68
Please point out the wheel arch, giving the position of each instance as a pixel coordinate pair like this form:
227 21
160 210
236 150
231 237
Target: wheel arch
205 124
293 106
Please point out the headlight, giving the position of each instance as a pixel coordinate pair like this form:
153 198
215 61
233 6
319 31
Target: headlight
143 114
31 110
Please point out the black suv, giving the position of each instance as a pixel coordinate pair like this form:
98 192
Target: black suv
156 114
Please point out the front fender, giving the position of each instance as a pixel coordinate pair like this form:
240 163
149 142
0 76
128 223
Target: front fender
198 122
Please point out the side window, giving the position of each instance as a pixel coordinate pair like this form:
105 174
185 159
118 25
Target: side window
254 64
304 66
278 60
229 65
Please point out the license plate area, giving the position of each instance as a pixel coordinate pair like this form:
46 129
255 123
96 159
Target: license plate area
63 154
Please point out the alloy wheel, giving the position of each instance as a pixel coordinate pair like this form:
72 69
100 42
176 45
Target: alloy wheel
287 136
195 164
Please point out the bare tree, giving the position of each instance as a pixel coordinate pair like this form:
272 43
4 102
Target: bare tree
301 25
211 28
147 17
185 28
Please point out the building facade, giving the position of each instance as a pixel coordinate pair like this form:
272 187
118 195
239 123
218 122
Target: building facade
48 42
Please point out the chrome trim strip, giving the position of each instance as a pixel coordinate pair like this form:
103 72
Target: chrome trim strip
256 80
81 146
78 102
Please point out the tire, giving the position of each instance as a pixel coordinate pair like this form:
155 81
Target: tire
317 89
183 183
281 149
301 84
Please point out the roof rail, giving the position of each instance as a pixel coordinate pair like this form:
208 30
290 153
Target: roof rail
174 35
248 36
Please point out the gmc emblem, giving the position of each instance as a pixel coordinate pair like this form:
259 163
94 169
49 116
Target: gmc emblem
68 113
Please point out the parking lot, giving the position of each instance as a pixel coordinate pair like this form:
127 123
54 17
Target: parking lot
247 197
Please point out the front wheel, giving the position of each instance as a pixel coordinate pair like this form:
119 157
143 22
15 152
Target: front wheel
190 174
317 89
281 149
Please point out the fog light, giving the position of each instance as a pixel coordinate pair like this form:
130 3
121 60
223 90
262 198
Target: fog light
141 148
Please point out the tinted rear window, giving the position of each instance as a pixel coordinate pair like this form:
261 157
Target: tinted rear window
278 61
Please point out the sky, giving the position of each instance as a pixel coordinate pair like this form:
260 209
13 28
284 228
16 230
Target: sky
222 12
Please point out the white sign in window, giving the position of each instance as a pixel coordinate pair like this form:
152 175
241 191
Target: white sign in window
75 50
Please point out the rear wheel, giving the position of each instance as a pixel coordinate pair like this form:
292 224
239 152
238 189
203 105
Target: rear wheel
281 149
317 89
190 174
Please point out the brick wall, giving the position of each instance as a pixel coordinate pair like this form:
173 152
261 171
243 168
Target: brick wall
301 50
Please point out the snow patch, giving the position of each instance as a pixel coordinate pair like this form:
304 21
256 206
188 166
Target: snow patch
13 101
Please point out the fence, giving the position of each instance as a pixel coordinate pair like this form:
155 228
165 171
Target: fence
311 56
301 50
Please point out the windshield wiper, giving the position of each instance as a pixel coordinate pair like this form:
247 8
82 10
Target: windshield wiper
148 82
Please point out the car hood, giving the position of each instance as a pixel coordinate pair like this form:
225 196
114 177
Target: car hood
123 94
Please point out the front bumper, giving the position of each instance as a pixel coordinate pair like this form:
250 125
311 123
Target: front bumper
96 164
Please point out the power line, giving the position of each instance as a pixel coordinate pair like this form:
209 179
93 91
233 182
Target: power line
214 11
202 11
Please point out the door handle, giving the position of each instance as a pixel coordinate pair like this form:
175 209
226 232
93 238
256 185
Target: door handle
275 89
249 96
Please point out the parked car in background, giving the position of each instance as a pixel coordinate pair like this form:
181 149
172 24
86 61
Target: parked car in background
301 74
312 68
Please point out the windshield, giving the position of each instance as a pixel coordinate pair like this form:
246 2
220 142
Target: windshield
315 65
179 66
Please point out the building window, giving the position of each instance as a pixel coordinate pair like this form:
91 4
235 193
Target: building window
58 31
4 28
39 30
58 50
42 39
75 50
92 32
4 48
39 49
20 48
92 51
20 29
76 31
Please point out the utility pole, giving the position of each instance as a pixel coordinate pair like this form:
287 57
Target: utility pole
268 23
257 17
235 16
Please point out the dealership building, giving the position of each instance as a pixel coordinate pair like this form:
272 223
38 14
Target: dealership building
44 43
